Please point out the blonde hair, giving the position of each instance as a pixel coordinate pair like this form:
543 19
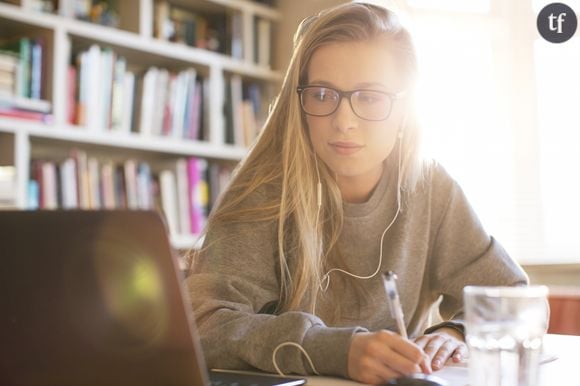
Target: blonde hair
283 162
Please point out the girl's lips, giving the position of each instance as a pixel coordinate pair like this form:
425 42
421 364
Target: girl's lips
345 148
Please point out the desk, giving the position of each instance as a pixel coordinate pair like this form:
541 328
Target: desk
564 310
562 371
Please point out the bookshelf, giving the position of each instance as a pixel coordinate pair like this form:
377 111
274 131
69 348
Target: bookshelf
79 108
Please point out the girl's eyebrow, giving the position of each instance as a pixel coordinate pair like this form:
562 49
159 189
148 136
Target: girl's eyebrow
322 83
371 85
363 85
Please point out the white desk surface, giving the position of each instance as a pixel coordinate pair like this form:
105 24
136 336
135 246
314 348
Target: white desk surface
562 371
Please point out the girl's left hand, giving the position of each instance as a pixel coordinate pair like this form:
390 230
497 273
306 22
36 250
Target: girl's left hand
442 344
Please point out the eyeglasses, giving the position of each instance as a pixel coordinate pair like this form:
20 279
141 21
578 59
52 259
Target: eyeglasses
370 105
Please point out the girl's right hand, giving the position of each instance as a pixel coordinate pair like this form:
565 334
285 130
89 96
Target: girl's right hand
377 357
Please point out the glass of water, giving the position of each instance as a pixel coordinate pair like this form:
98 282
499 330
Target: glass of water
504 331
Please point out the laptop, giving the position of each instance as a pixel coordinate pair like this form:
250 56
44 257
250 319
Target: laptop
95 298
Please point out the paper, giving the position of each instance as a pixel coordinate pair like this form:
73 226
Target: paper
545 358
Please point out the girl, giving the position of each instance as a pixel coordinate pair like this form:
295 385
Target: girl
332 195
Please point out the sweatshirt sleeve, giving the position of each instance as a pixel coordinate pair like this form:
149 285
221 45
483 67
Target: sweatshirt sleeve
463 252
233 280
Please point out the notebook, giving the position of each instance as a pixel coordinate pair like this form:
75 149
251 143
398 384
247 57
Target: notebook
95 298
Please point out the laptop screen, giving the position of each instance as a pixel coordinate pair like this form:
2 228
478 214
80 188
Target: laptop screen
92 298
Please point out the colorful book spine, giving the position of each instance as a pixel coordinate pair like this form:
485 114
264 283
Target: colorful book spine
198 193
169 200
37 52
183 190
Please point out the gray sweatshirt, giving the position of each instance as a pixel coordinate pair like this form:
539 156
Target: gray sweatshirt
436 246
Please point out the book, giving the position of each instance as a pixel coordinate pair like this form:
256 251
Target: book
169 111
263 49
186 26
108 185
148 101
83 184
236 109
81 89
254 94
68 184
168 192
120 186
118 99
193 27
194 111
228 114
23 114
204 131
162 26
49 186
8 61
161 100
32 195
128 101
21 47
130 169
183 191
235 35
7 83
23 82
7 184
144 186
93 86
198 193
250 129
105 94
81 9
36 69
47 6
137 102
71 95
11 101
94 175
180 100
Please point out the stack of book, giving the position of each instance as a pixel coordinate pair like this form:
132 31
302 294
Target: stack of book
184 192
170 104
84 182
104 95
21 79
246 110
102 12
100 91
193 28
48 6
189 191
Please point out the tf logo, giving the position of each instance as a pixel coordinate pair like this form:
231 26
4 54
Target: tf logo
557 22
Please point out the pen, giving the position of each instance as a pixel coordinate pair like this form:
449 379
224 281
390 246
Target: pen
395 302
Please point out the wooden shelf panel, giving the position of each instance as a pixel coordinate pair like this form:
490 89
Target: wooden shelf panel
135 141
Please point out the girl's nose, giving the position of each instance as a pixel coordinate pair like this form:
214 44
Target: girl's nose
344 118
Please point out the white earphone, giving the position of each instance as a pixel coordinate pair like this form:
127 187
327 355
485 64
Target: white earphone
326 277
325 281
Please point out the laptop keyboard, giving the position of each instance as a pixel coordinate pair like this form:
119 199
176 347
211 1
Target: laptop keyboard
225 378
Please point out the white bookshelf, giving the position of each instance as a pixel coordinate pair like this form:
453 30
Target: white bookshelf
134 40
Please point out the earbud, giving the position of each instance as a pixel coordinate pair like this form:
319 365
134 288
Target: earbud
318 185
